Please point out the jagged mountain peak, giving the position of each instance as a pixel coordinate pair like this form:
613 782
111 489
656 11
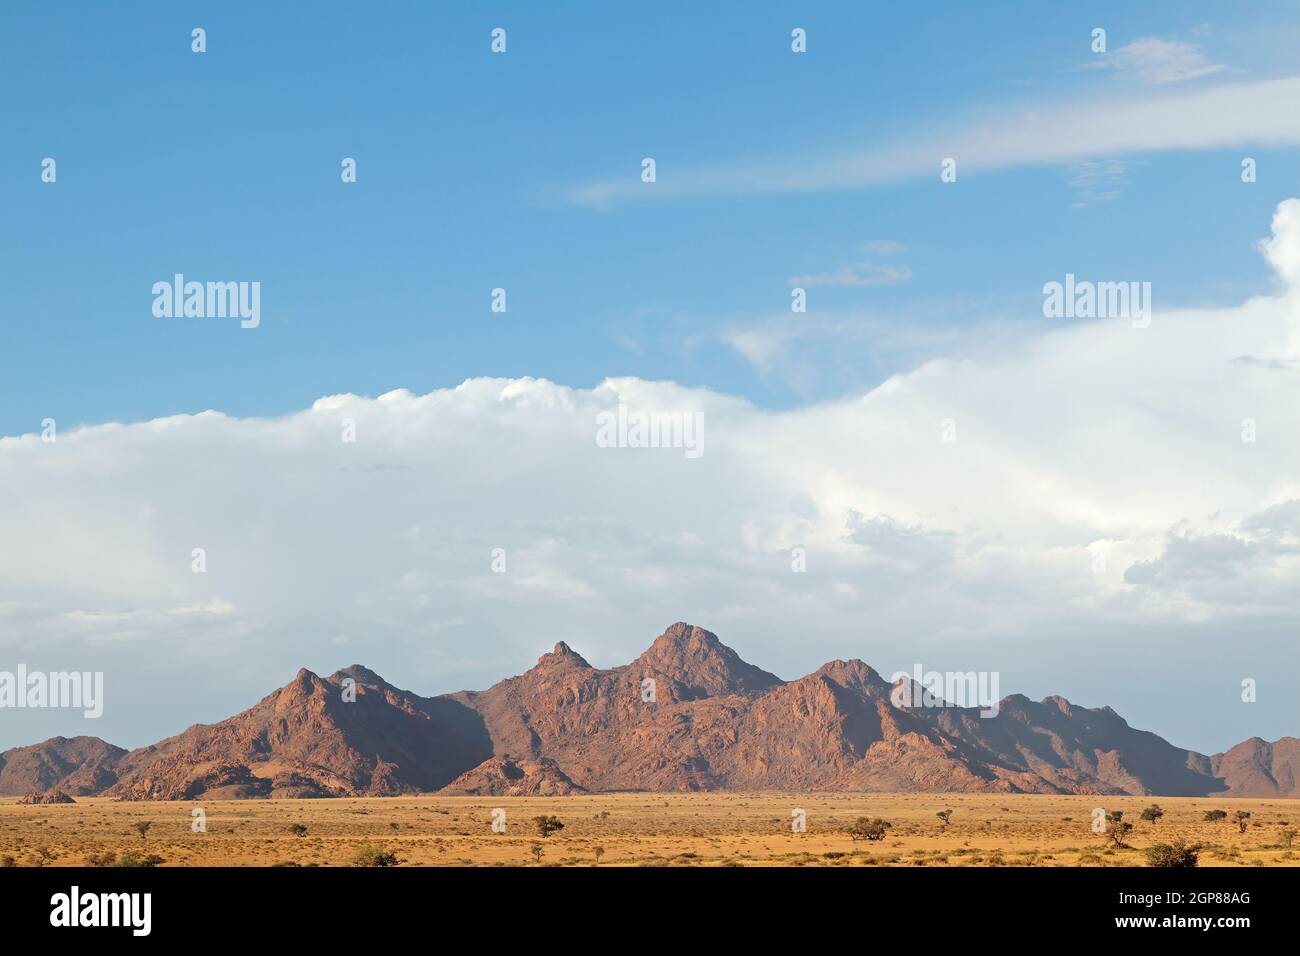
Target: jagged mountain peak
564 656
359 673
696 659
853 674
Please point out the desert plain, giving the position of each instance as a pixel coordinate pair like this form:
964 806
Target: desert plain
643 829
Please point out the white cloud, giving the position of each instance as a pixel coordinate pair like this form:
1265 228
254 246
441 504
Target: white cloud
860 275
1093 437
1282 248
1234 114
1157 61
834 351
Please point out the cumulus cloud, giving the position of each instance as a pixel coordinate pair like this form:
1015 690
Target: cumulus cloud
1282 249
1096 488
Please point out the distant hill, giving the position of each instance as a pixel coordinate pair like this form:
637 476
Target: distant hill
79 766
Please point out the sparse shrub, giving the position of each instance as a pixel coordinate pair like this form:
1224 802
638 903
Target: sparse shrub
132 859
298 829
374 856
1240 818
1215 815
42 855
7 861
142 827
869 829
1286 838
945 816
1175 854
538 851
102 859
599 851
547 825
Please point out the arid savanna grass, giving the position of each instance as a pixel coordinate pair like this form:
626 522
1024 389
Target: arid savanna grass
645 829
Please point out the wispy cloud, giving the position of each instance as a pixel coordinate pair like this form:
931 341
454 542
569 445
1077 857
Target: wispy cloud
883 247
1256 113
1098 181
830 352
862 274
1156 61
858 275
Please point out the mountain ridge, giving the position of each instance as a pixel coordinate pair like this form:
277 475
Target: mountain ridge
687 714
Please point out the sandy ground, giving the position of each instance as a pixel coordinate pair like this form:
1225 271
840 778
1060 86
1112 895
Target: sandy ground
643 830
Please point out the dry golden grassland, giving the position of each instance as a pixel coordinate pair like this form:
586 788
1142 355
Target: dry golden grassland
732 829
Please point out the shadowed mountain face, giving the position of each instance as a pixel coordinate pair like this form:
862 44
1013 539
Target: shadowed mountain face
688 714
352 733
76 765
1256 768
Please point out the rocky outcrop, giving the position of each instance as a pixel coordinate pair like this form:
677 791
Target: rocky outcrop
505 777
47 796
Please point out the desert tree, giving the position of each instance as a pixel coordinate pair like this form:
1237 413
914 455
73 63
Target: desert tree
1213 816
1152 814
1287 837
546 825
599 851
1240 818
1117 828
538 851
945 816
142 827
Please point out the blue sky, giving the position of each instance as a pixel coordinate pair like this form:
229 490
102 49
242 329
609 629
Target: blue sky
226 166
1078 440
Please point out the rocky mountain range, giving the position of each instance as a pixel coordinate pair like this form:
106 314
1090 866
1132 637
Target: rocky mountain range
688 714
